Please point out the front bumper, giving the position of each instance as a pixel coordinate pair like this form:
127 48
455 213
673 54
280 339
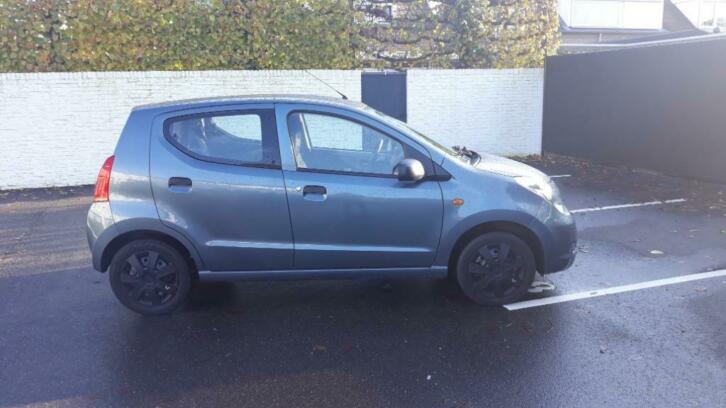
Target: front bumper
563 244
565 248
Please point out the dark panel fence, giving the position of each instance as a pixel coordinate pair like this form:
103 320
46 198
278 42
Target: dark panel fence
385 91
658 107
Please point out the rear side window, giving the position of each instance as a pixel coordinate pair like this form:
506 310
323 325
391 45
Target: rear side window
246 137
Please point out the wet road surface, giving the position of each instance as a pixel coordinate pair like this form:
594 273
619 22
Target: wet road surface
66 341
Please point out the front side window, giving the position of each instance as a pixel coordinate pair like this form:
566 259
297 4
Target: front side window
331 143
236 138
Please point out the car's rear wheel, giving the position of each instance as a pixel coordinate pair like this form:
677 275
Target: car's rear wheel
150 277
495 268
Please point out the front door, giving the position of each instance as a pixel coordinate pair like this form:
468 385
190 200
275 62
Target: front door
347 208
216 177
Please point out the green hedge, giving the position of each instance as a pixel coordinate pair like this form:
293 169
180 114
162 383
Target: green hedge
130 35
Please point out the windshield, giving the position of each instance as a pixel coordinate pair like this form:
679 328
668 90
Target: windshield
405 127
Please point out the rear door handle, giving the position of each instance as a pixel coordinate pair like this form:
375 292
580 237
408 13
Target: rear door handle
180 182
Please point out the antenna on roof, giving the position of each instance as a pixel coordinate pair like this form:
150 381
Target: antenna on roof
326 84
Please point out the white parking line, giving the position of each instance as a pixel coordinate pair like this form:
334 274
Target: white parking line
613 290
631 205
561 175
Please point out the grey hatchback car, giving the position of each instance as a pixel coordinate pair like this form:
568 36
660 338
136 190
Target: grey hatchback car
288 187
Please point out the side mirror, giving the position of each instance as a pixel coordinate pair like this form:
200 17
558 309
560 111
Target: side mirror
409 170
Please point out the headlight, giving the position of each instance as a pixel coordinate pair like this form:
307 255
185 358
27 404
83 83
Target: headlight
544 188
537 185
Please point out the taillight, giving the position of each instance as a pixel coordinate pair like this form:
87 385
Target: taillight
103 181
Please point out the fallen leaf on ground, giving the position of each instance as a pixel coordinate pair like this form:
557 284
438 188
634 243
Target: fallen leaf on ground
233 310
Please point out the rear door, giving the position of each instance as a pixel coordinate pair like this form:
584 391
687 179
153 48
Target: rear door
216 177
348 210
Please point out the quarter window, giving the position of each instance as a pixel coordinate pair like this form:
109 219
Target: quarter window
324 142
237 138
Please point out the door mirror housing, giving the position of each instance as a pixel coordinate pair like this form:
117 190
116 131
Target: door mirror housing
409 170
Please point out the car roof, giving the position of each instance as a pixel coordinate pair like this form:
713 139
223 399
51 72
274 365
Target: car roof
262 98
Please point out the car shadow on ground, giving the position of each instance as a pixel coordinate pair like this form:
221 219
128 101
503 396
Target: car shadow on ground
343 340
390 343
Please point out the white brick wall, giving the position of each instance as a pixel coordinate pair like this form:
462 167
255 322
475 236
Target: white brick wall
497 111
57 128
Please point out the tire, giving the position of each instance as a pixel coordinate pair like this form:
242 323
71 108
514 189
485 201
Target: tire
490 276
150 289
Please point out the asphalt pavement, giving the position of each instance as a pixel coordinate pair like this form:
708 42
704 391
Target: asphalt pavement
66 341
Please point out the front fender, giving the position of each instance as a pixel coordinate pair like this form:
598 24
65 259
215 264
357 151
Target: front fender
462 226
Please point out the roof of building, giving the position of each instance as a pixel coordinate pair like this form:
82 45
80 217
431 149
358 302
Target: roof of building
659 37
642 42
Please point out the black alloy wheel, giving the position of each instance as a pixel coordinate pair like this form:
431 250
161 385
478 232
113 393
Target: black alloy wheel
150 277
495 268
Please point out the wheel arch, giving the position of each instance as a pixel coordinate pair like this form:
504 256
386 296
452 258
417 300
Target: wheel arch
118 242
516 229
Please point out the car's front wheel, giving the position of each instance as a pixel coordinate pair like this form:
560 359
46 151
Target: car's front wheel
150 277
495 268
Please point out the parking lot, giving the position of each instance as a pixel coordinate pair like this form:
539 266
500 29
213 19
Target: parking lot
66 341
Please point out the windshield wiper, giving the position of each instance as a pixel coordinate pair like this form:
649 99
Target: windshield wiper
472 155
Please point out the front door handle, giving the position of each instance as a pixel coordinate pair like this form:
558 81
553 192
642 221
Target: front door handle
180 182
315 193
320 190
180 185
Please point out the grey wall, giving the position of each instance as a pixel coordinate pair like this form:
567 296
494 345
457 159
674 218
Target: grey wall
660 107
56 129
497 111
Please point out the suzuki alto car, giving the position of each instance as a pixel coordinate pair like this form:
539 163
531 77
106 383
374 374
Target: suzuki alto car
288 187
